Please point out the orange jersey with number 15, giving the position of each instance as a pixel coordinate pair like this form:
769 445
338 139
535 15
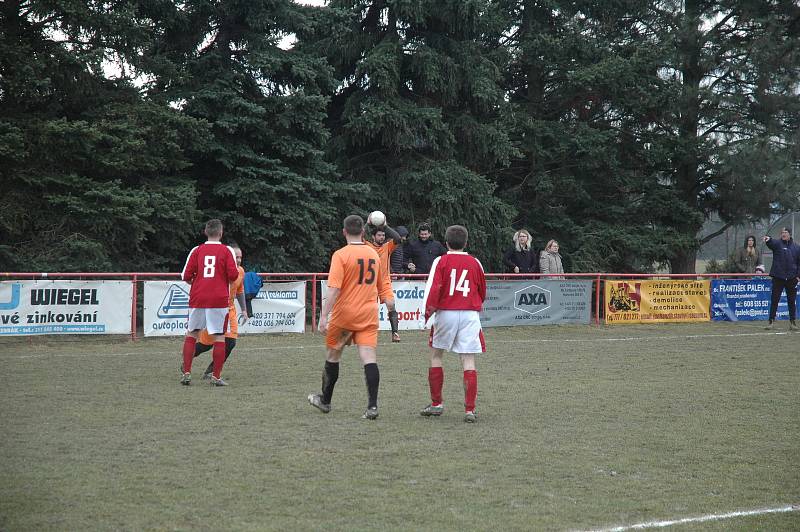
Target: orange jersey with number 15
357 271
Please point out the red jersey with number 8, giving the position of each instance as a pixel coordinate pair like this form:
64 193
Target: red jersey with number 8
456 282
210 269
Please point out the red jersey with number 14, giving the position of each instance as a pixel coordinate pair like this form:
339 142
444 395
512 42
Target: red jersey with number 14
210 269
456 282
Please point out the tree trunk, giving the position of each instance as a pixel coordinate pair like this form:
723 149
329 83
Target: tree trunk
688 163
684 261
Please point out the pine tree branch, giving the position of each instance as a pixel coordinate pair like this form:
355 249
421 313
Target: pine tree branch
716 233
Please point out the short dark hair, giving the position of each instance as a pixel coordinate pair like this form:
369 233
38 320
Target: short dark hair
424 226
456 236
214 228
354 225
787 230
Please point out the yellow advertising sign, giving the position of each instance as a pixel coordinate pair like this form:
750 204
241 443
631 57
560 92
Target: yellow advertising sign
633 301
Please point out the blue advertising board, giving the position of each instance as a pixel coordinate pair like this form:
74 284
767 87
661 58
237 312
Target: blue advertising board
744 300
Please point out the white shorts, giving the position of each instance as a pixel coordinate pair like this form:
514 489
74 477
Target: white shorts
457 331
214 320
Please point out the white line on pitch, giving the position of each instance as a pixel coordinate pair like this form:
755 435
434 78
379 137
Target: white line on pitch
515 341
699 519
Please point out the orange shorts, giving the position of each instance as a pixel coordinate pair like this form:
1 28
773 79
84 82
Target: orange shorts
337 338
232 330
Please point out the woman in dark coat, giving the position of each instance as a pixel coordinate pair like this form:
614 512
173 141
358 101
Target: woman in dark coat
521 258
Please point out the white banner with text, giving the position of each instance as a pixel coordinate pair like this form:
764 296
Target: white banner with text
277 308
65 307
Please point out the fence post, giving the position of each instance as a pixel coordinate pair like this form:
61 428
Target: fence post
314 303
597 302
133 309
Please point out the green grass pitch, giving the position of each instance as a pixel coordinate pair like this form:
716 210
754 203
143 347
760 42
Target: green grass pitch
580 427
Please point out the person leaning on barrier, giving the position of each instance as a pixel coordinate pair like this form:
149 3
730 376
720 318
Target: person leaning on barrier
784 273
550 260
747 257
521 258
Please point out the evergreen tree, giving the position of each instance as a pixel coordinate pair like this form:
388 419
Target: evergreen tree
91 173
601 113
263 172
418 116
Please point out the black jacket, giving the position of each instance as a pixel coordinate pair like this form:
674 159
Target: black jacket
423 253
526 261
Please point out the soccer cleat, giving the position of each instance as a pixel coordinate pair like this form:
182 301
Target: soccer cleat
470 417
432 410
768 327
395 337
186 380
793 326
206 376
315 400
217 382
370 413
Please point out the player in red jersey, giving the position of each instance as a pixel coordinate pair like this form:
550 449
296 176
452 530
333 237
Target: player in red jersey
350 313
454 295
205 342
210 269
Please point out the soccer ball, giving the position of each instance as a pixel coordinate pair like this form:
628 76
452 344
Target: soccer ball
376 218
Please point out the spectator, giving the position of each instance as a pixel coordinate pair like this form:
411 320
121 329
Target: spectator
520 258
397 262
746 258
550 260
784 271
760 269
422 252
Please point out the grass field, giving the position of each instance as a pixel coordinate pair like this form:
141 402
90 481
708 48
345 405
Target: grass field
580 428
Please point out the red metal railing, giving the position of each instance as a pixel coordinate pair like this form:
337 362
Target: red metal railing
597 278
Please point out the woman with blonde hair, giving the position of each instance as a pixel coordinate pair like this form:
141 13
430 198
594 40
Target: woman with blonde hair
521 258
550 260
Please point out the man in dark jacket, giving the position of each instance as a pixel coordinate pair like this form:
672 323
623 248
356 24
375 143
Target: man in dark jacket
422 252
784 273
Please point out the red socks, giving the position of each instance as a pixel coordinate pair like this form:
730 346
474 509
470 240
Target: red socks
436 381
470 389
219 358
188 353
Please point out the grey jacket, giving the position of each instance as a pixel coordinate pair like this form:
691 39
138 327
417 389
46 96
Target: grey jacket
550 263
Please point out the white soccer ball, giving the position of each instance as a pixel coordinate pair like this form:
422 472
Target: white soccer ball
376 218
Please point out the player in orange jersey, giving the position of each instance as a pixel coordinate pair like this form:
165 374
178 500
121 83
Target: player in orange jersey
384 247
205 342
350 313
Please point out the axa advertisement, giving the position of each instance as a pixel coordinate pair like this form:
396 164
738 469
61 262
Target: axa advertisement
278 307
633 301
65 307
537 302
